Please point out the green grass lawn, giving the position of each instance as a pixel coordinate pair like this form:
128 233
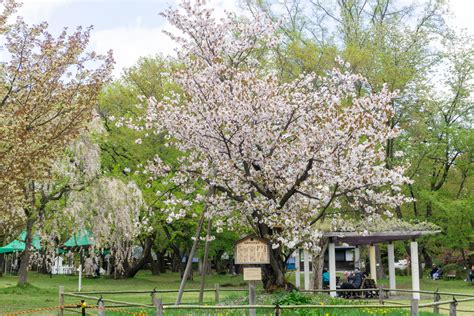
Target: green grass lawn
43 291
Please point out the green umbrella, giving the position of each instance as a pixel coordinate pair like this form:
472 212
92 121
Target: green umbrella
14 246
19 245
81 238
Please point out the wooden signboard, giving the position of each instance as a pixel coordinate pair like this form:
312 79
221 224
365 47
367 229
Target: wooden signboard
252 250
252 274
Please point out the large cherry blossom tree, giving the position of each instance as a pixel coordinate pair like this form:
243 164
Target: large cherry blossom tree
281 155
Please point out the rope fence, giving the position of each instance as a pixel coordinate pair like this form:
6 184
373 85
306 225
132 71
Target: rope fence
158 308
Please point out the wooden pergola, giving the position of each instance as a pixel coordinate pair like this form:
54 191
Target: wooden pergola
370 239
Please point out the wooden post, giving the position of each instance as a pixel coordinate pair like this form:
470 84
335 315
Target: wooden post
61 300
204 264
414 307
158 306
357 257
189 262
373 263
306 269
452 307
153 297
216 292
101 308
436 298
415 275
332 267
381 294
277 310
79 281
252 297
297 271
391 267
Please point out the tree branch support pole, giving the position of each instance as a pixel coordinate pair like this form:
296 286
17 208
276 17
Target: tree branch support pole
205 263
189 263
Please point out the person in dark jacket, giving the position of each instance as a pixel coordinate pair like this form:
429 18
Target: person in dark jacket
354 281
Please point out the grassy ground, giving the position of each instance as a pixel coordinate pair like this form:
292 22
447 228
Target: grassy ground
43 291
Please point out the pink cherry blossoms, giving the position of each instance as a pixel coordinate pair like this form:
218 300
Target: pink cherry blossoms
282 155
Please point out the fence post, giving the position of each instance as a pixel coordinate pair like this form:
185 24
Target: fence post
381 294
436 299
159 306
61 300
277 310
414 307
452 307
153 295
101 308
216 289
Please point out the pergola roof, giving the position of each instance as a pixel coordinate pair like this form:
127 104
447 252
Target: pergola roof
357 238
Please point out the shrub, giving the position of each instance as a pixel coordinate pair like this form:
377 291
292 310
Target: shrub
460 272
291 298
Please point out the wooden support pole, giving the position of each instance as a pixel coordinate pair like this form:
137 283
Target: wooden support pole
216 293
306 269
415 275
297 271
391 267
189 262
158 306
357 257
61 300
101 308
381 295
414 308
204 264
452 308
252 297
153 297
373 263
277 310
332 267
79 281
436 298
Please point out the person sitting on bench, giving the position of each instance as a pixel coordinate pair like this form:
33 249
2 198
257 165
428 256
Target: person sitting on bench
354 281
325 277
435 272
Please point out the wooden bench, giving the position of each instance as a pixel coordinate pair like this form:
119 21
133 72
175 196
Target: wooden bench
451 274
369 284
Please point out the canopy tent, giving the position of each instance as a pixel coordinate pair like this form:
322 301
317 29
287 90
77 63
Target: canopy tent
18 244
82 238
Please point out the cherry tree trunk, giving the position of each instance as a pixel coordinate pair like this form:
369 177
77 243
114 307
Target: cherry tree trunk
318 263
273 274
25 255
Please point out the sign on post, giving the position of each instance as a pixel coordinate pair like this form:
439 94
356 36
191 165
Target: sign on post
252 274
252 250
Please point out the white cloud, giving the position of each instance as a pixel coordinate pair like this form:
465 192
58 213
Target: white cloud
131 43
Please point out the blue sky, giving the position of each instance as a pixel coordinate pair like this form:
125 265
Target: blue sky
133 28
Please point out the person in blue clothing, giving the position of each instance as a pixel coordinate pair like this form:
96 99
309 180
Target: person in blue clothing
325 277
